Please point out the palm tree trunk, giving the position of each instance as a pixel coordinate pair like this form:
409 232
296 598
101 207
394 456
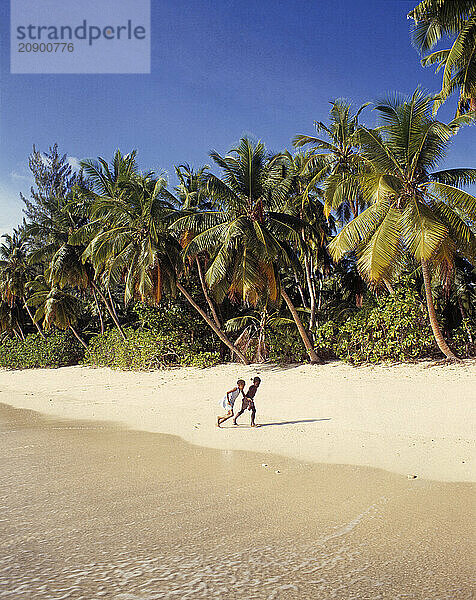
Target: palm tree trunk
301 291
319 301
33 320
109 310
312 292
211 324
305 338
261 354
206 294
442 345
78 337
99 310
111 302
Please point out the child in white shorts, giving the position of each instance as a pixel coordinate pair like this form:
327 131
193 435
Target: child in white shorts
229 401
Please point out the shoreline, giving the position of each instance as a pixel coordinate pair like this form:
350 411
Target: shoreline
138 513
405 419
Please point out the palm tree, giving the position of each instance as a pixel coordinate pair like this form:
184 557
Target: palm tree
464 289
129 235
55 307
15 271
55 227
192 198
10 320
253 325
304 201
339 156
247 236
456 19
343 290
413 211
67 268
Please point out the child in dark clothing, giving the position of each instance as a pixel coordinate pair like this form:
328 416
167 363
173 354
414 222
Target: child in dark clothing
248 402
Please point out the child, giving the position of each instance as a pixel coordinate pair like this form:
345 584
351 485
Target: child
229 401
248 402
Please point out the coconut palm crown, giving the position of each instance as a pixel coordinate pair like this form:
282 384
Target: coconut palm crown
247 235
337 156
456 19
413 210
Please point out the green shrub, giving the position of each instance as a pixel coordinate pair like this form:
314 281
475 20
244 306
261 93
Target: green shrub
59 349
285 346
463 339
145 350
171 316
397 329
200 359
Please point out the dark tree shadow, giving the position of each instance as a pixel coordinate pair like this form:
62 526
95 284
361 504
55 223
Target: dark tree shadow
293 422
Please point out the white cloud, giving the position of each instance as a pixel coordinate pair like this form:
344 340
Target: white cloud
74 163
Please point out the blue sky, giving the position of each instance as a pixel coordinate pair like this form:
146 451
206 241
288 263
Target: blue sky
220 69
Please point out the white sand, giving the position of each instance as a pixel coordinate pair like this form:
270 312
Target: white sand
409 419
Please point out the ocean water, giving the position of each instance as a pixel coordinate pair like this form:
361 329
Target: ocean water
91 511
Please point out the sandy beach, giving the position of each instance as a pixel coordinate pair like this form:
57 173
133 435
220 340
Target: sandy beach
407 419
91 510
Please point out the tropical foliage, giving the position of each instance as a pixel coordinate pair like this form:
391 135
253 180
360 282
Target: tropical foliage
413 211
357 248
57 349
456 20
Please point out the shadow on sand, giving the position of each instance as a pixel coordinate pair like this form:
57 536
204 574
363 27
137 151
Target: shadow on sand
293 422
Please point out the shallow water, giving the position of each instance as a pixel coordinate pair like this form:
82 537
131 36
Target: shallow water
91 511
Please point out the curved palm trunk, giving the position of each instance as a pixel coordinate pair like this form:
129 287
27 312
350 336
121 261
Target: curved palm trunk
111 302
206 294
312 291
442 345
243 341
109 310
305 338
78 337
301 291
99 310
211 324
261 348
33 320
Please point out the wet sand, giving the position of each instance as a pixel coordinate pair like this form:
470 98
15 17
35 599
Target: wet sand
407 419
90 510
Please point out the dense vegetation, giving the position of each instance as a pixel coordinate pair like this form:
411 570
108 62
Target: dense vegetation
356 246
